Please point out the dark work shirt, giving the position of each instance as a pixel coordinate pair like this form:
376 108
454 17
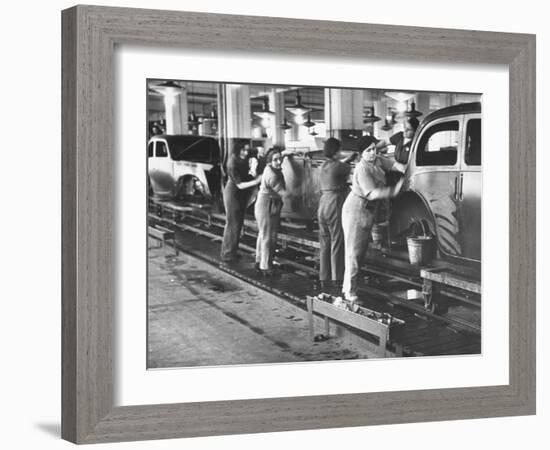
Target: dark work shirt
402 149
237 171
334 175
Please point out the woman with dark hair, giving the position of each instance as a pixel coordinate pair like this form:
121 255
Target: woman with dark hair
360 209
402 141
333 184
235 198
268 210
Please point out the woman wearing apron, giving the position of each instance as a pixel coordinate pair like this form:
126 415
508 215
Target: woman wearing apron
268 211
359 210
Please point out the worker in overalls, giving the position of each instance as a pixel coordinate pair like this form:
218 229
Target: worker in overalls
334 189
267 210
235 199
360 208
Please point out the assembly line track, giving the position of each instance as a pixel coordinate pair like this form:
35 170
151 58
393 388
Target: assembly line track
309 271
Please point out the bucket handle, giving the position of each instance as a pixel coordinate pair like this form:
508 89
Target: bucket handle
425 226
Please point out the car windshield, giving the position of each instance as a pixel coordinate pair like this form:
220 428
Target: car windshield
194 149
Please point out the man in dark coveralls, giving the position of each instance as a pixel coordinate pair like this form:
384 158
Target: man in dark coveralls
235 199
333 183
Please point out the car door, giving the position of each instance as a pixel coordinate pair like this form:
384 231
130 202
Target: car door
436 176
469 188
152 170
164 170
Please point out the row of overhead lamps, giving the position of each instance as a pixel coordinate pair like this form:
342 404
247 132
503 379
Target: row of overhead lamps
298 109
170 89
389 120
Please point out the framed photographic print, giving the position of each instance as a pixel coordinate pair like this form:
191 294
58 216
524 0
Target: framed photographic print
265 230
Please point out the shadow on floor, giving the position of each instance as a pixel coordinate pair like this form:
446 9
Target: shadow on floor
53 429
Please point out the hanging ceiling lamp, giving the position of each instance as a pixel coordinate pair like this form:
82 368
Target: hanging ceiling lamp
265 113
214 113
400 96
309 123
168 88
371 117
298 108
192 119
285 125
313 133
387 124
413 112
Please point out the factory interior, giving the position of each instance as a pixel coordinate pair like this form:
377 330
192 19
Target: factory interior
311 223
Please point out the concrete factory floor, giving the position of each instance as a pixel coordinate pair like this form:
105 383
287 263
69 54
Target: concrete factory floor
201 316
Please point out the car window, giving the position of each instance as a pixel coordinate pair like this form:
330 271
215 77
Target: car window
162 151
472 156
438 145
189 148
198 152
150 148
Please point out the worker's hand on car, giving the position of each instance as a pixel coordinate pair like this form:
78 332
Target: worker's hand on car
397 187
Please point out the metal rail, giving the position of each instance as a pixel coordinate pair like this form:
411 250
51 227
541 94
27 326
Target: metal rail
308 246
196 228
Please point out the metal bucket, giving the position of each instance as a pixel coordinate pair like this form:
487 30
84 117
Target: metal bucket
420 249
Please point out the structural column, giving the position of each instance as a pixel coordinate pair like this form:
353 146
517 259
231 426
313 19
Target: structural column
176 113
237 98
344 112
277 105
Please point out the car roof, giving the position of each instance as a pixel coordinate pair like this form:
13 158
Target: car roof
182 138
462 108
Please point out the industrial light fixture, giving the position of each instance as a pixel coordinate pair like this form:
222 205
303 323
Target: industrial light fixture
308 123
285 125
168 88
313 133
387 124
214 113
371 118
192 119
400 96
413 111
298 108
265 113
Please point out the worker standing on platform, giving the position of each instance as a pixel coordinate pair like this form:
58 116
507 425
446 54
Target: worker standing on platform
268 210
235 199
334 189
359 209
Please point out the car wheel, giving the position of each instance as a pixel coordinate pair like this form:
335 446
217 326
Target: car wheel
191 189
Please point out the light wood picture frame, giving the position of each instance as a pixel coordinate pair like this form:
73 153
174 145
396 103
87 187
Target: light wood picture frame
90 34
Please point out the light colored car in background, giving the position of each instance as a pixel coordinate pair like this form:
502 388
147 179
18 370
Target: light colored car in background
183 167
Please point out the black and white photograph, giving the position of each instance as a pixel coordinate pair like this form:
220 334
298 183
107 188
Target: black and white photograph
275 225
288 224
